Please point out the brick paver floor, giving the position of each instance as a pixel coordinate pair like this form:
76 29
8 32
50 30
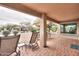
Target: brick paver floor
56 47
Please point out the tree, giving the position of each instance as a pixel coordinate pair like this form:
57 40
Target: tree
49 26
16 27
2 27
25 26
53 28
8 27
37 22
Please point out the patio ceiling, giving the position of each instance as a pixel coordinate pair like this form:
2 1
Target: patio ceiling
55 12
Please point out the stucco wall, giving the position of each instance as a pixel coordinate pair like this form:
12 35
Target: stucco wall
77 27
65 35
58 30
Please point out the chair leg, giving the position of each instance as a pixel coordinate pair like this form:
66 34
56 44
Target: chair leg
34 47
18 53
37 45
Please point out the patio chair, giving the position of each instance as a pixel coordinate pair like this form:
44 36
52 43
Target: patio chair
33 43
8 45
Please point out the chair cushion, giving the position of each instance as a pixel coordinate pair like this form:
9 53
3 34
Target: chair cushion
75 46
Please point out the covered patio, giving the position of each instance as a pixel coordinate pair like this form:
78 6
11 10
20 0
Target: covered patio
60 43
57 46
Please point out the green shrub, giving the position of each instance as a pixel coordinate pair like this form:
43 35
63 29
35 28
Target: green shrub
15 32
6 33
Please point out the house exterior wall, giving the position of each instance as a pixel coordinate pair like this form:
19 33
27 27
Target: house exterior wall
58 34
77 27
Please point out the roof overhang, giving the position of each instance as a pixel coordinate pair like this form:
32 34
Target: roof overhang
54 12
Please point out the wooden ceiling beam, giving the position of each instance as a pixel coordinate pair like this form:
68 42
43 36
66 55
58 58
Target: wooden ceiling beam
72 20
20 7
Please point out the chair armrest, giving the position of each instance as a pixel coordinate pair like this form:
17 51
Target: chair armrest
20 45
14 54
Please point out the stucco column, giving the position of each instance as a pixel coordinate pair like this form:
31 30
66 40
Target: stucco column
43 31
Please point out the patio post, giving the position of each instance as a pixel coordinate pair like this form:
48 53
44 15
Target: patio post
43 31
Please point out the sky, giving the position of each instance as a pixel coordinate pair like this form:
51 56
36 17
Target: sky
15 17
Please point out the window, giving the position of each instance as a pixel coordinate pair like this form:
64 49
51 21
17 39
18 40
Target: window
68 28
